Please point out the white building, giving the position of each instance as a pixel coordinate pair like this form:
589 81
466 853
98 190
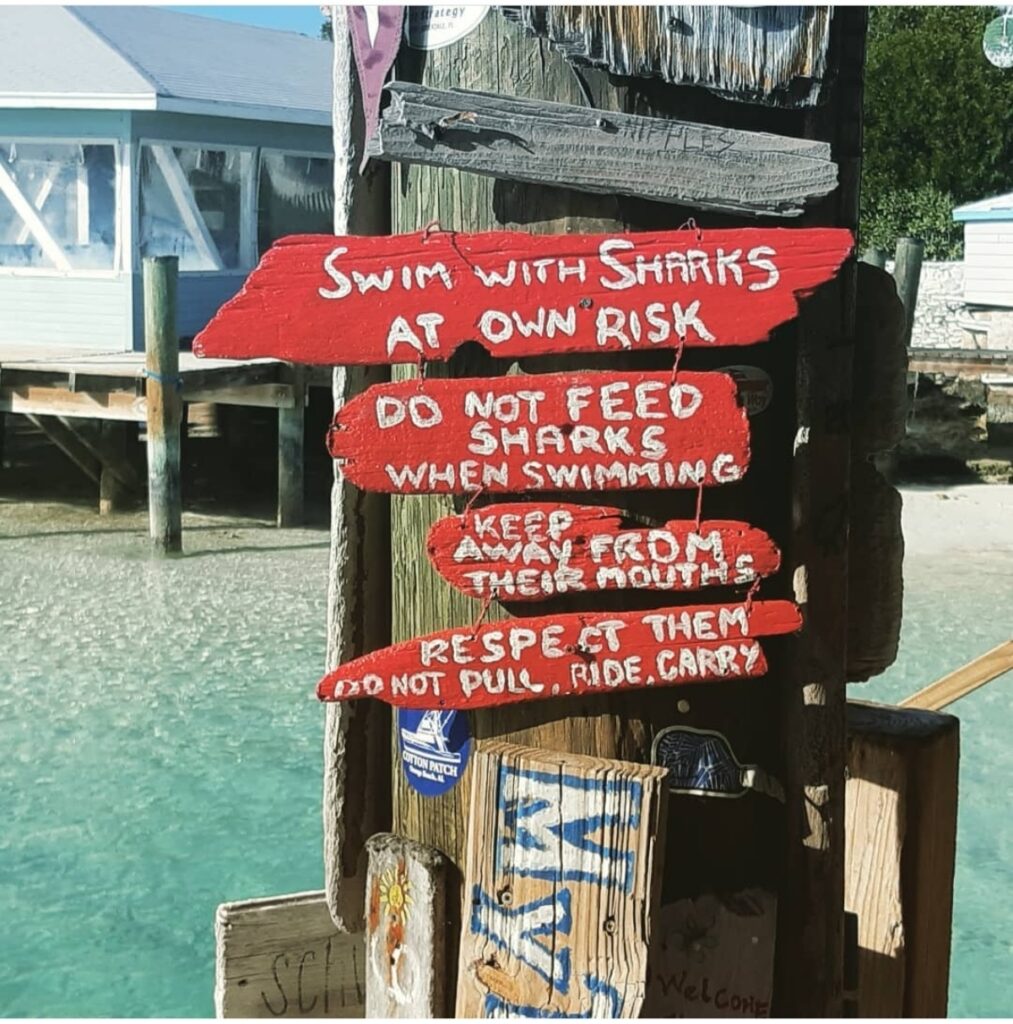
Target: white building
134 131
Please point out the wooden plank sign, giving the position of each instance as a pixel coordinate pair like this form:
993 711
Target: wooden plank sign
714 956
562 874
283 957
405 298
527 552
543 432
579 147
406 929
565 655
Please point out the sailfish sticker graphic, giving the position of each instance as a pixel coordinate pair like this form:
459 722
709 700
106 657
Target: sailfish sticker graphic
434 748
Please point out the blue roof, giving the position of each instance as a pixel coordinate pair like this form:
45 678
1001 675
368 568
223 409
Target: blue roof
995 208
148 58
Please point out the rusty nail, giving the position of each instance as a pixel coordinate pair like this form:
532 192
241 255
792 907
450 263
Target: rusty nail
586 303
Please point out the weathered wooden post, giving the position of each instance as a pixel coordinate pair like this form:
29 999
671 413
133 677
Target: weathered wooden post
164 402
901 846
907 272
291 429
798 733
113 485
356 797
875 256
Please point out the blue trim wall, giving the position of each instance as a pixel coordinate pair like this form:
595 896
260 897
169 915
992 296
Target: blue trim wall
56 310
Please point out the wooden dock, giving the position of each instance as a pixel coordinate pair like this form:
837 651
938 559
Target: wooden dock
60 389
960 362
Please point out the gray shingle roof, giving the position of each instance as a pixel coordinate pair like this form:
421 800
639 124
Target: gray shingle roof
151 58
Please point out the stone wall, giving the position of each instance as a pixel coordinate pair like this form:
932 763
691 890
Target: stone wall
942 318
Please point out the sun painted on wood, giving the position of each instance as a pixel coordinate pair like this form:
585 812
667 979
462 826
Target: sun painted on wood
527 552
566 655
405 298
544 432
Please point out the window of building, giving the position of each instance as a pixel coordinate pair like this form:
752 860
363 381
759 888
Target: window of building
296 196
58 205
192 206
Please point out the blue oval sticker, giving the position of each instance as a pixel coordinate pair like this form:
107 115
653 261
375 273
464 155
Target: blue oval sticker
435 746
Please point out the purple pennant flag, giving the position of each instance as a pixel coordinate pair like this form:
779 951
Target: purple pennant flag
376 36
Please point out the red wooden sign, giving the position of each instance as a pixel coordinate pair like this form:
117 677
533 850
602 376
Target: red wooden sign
527 552
545 432
404 298
565 655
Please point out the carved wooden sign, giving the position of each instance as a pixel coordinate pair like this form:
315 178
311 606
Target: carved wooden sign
566 655
283 957
713 956
576 146
562 875
408 298
527 552
545 432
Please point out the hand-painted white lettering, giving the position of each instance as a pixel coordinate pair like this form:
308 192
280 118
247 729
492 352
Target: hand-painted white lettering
755 259
402 333
527 932
344 286
423 411
626 278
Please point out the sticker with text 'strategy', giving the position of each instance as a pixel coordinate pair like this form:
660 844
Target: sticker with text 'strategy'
434 748
436 26
701 762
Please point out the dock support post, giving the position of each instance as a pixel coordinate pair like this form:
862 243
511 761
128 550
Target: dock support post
876 257
907 272
291 424
112 490
901 828
165 403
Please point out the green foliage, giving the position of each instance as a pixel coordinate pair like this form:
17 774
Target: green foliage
924 212
938 123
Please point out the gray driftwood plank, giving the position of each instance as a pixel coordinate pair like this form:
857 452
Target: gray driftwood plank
603 151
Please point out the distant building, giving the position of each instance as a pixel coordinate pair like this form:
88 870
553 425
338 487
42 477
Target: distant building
988 250
134 131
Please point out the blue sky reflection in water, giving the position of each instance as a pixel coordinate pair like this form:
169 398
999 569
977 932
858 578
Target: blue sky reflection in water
162 747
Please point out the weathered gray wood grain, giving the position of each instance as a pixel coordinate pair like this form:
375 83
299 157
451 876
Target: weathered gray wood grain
776 55
356 776
283 957
602 151
406 930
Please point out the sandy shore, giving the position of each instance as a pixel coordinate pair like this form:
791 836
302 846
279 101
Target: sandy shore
974 518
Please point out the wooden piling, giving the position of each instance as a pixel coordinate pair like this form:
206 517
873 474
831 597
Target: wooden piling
357 759
907 272
115 482
164 402
795 725
291 445
901 826
875 256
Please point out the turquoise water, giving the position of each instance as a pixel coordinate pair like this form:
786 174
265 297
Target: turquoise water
161 752
954 610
